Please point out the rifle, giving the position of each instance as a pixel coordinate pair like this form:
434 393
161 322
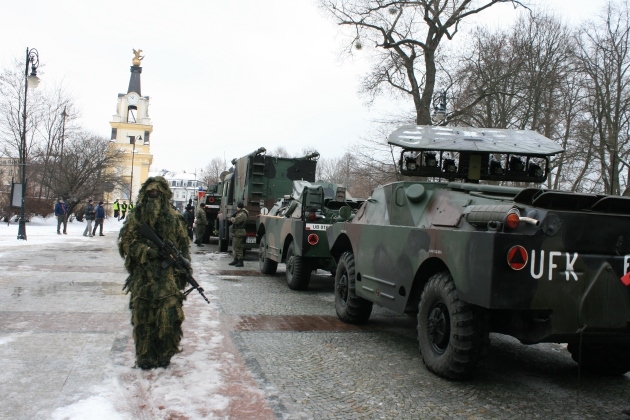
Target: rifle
172 256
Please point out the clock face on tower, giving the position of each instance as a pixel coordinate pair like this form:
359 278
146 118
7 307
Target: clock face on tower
132 99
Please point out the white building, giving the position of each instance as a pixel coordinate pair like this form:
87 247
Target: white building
184 185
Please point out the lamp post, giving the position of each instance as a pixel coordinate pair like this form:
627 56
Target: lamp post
32 58
133 155
439 111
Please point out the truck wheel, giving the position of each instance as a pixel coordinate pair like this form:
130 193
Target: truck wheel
453 334
603 358
223 242
350 307
266 265
298 273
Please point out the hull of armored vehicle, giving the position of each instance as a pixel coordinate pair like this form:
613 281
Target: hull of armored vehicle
555 272
294 232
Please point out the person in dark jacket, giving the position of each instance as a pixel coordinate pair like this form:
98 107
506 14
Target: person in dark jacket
61 212
189 217
89 218
100 216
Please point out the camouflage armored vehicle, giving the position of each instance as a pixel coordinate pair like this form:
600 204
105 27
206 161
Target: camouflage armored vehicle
259 181
469 258
293 232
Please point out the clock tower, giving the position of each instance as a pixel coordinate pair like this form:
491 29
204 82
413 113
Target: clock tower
131 134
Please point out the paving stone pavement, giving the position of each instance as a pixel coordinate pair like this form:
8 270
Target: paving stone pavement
64 327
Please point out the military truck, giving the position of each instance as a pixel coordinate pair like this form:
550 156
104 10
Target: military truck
293 232
258 180
212 205
468 257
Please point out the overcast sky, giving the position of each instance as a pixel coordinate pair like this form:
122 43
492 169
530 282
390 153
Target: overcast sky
224 77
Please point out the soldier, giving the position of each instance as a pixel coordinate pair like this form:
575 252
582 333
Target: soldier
201 221
238 221
156 292
123 210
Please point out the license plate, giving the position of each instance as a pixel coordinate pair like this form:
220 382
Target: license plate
316 226
250 240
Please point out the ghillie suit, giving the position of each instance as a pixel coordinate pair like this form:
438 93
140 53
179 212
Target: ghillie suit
156 293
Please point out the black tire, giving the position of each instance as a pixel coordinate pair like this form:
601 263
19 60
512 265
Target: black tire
611 359
297 271
266 265
453 335
350 308
223 239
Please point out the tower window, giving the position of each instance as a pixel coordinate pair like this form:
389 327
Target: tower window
131 113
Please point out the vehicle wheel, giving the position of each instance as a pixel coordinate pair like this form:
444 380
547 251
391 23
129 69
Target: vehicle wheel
266 265
453 335
350 307
298 273
223 241
603 358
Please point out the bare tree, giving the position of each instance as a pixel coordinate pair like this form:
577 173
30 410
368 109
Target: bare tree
603 53
85 169
407 35
280 151
213 170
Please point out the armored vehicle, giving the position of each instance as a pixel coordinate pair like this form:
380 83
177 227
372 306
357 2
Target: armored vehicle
469 258
293 232
259 180
212 204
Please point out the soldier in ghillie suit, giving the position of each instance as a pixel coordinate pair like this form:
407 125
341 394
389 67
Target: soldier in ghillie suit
156 293
239 219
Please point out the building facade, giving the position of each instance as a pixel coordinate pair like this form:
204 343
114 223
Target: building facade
131 135
185 187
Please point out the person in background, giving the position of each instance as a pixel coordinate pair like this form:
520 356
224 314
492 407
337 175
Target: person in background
189 217
100 217
123 210
238 237
116 206
61 212
201 221
89 217
156 297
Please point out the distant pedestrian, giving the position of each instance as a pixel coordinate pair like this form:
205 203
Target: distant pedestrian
201 221
100 216
116 206
89 218
61 212
130 206
239 221
123 210
189 217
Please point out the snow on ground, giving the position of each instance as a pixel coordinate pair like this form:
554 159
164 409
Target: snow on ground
189 388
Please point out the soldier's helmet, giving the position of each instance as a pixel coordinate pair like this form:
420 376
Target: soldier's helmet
240 205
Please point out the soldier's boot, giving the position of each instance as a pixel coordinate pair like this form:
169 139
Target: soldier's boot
234 262
239 263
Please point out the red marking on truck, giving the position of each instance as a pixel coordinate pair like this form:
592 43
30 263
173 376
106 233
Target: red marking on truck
626 279
517 257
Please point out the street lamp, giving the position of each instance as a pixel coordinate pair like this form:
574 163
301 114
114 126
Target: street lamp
32 58
439 111
133 155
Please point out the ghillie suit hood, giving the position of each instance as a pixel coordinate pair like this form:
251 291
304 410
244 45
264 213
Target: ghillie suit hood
156 297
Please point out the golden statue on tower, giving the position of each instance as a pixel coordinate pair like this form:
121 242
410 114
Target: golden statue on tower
137 58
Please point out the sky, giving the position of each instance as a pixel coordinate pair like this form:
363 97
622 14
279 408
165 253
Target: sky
224 77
